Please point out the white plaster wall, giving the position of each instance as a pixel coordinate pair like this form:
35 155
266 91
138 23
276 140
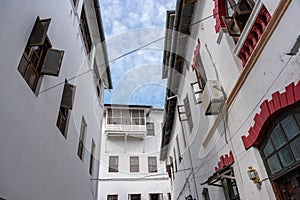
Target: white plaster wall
36 161
272 72
125 182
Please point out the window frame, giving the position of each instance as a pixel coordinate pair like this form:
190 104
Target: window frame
150 128
85 32
134 164
188 112
152 168
91 166
64 109
35 60
290 112
83 132
136 196
116 116
112 197
228 185
113 167
236 19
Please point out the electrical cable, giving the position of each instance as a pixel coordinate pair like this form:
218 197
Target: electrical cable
130 52
230 139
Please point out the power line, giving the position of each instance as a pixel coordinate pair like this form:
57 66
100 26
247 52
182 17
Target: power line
127 53
117 58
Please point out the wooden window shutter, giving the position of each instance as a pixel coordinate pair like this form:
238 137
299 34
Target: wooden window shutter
68 96
39 32
52 62
188 112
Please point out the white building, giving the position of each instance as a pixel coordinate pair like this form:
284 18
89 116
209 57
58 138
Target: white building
233 99
54 70
129 166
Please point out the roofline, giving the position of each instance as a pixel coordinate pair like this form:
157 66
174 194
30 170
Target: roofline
173 81
127 105
102 39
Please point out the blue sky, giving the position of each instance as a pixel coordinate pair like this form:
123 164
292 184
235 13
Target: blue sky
130 24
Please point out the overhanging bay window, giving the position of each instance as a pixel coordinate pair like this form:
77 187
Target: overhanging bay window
125 117
38 57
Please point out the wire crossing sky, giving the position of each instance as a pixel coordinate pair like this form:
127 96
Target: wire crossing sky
129 24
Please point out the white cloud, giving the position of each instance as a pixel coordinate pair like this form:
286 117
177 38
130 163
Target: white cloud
128 25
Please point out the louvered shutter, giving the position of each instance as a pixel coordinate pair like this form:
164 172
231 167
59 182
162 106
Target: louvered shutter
39 32
52 62
68 96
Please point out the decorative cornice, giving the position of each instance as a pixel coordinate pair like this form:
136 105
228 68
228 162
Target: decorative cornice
225 160
218 12
276 17
268 108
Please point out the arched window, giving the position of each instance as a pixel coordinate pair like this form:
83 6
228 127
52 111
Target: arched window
280 149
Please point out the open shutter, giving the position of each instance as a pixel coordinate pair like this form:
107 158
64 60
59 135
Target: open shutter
39 32
68 96
161 197
188 112
52 62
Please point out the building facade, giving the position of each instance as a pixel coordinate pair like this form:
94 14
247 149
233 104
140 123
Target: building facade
232 113
129 163
54 71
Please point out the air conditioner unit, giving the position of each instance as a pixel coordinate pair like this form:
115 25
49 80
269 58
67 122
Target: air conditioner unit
212 97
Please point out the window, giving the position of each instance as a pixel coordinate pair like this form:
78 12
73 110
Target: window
134 164
97 80
150 128
156 196
238 12
91 168
188 112
205 194
169 196
85 31
83 127
113 164
280 149
175 160
125 117
75 3
199 70
152 164
38 57
112 197
134 197
178 147
230 187
172 166
65 106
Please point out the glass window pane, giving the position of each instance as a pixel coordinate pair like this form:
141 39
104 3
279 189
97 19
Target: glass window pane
290 127
116 112
274 164
286 156
268 149
295 146
125 113
298 117
135 113
278 137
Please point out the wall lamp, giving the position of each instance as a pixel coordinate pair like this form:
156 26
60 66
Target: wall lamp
253 175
